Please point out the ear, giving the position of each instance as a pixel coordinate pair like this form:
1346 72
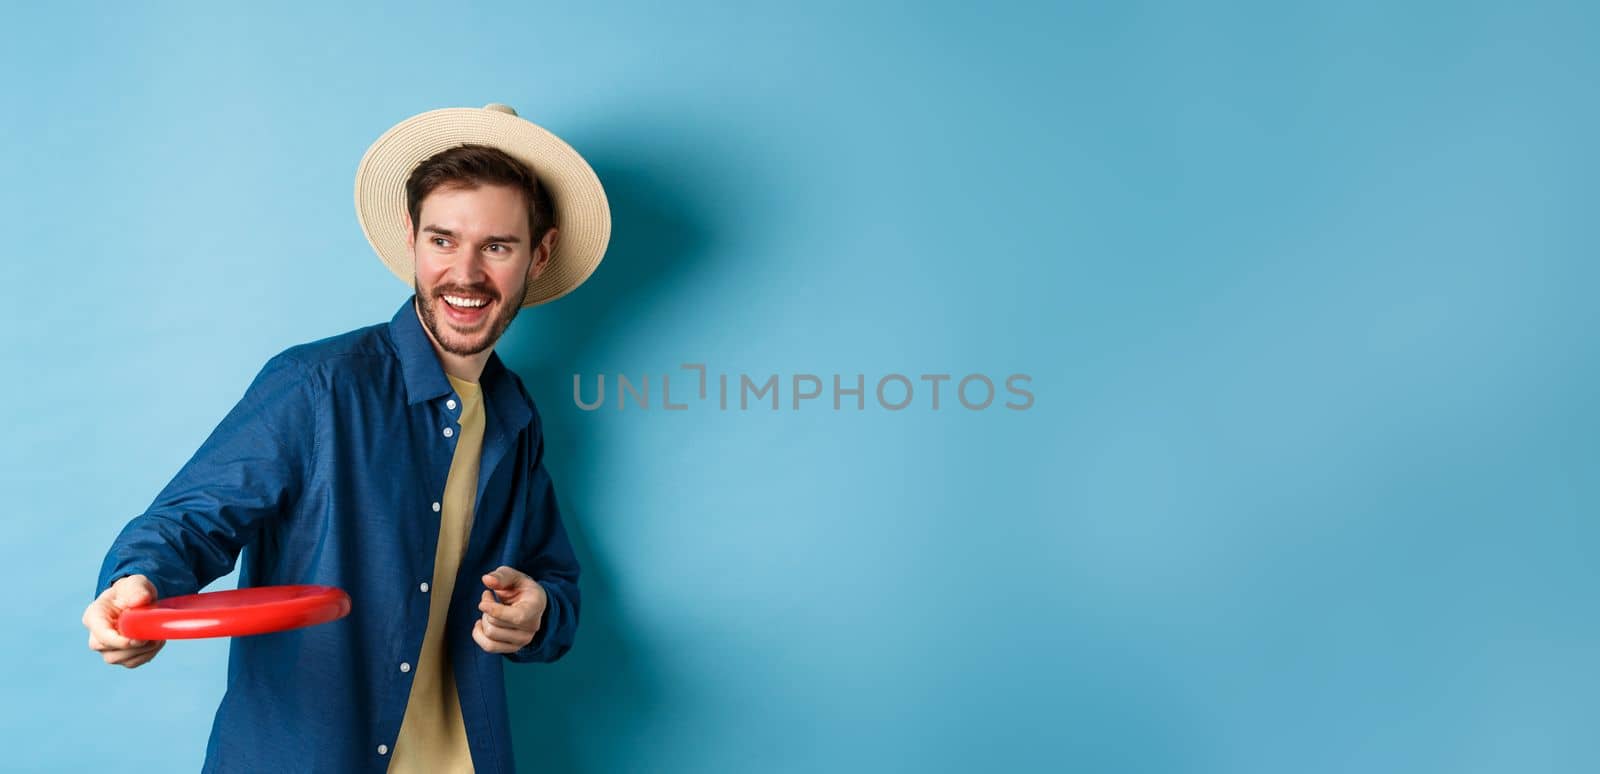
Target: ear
541 254
411 247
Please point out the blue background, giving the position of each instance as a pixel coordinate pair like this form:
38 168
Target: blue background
1306 295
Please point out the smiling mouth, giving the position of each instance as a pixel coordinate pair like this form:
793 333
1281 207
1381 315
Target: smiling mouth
465 301
465 308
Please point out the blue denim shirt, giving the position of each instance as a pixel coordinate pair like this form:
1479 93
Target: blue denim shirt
330 470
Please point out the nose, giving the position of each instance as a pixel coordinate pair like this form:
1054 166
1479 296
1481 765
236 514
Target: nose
470 272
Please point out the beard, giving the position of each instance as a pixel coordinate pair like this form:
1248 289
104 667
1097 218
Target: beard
452 339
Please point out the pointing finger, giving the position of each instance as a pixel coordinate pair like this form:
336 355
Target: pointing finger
505 577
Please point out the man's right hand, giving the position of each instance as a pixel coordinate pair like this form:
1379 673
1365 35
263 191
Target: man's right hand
101 621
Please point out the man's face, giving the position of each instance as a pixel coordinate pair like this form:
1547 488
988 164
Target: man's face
472 246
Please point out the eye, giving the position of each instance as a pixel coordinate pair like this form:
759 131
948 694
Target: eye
436 241
497 244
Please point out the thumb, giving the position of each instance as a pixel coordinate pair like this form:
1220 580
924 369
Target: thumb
133 591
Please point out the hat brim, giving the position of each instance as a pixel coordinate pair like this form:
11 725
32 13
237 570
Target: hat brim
582 213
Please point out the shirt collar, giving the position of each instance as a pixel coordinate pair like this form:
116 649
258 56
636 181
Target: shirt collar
424 374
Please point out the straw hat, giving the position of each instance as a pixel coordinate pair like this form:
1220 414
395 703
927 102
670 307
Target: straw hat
581 211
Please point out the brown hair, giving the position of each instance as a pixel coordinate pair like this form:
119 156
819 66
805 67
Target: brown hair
471 165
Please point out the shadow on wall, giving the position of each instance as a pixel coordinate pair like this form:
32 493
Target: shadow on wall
607 692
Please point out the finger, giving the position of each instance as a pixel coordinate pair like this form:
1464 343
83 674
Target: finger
132 591
104 630
509 639
124 655
504 623
509 635
509 615
89 612
117 656
97 645
507 578
515 635
142 658
484 642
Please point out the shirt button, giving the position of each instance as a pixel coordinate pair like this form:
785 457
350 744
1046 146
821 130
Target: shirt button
405 666
424 587
449 432
383 749
435 507
450 403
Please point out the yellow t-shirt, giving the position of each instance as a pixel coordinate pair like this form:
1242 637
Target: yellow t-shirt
433 736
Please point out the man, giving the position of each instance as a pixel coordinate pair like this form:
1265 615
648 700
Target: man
402 462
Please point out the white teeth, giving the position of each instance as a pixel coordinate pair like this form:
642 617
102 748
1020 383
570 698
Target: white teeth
468 302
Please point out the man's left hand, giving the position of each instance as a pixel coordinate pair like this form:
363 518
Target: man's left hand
507 627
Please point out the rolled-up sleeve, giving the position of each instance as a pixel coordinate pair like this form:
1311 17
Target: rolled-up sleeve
250 470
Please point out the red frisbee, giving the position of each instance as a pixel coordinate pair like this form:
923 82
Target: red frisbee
234 613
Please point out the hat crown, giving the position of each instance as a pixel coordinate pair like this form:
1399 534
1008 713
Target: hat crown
496 106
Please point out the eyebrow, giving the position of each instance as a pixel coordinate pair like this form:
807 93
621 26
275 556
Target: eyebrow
490 238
